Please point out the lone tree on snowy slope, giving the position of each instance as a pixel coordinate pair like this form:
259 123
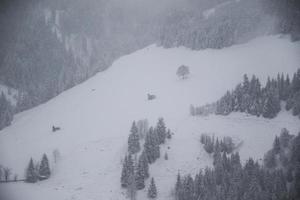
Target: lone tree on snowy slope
183 71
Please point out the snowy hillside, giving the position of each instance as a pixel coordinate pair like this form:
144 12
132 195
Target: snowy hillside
95 119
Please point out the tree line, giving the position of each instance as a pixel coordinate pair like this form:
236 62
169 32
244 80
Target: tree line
230 180
250 97
136 171
215 145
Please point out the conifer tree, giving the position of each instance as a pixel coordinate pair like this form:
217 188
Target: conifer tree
140 174
152 191
31 175
144 160
127 171
151 146
124 175
44 169
178 188
161 131
133 140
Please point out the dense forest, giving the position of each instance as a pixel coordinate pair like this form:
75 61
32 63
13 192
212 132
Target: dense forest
277 178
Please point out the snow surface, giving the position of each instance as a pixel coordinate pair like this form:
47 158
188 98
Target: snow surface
95 118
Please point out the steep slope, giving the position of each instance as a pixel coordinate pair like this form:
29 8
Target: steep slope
95 118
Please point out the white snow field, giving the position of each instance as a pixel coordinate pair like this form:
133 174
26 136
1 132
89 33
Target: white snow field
95 118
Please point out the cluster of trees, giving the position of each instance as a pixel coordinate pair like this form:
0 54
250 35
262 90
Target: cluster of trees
230 180
285 155
251 98
39 171
136 171
212 145
6 111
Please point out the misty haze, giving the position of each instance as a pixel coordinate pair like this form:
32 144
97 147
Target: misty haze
149 100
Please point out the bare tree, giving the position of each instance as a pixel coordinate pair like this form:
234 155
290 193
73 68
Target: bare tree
7 173
16 177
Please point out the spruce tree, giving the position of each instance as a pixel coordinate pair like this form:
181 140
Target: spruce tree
151 146
271 104
140 174
143 157
161 131
125 175
127 171
152 191
133 140
44 169
31 175
178 188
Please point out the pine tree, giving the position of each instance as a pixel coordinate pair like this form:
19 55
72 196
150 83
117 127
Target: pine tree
271 103
124 175
31 175
152 191
140 174
131 189
143 157
127 171
151 146
178 188
276 145
133 140
44 169
161 131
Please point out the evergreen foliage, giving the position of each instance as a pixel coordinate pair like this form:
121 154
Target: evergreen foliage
151 146
44 169
251 98
133 140
161 131
229 180
127 171
152 191
31 173
215 145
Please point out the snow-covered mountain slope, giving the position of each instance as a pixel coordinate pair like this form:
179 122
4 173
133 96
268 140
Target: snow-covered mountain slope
95 119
